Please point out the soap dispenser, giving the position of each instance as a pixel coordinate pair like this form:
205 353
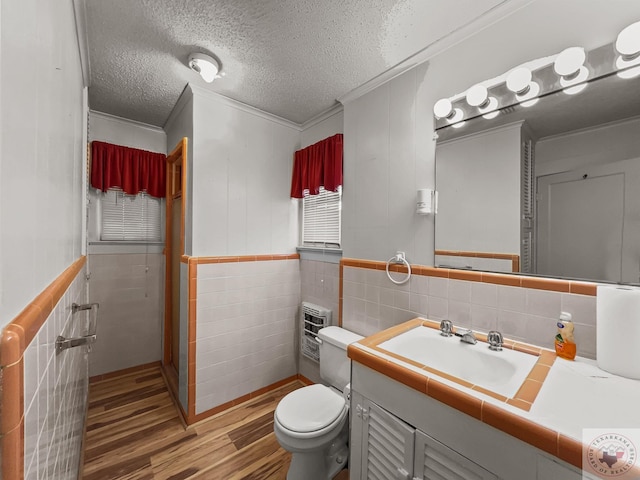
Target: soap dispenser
565 342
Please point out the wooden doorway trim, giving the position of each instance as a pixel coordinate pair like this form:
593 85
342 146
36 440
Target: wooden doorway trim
176 185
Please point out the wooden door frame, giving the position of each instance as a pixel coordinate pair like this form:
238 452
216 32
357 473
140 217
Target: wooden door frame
176 159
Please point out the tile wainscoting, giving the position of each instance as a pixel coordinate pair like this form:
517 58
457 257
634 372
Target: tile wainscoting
130 290
245 320
522 308
44 394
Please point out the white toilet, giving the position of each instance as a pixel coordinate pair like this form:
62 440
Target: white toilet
313 422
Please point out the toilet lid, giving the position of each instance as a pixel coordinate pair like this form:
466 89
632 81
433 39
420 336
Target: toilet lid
309 409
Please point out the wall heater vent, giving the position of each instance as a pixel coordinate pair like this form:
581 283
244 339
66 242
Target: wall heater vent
313 318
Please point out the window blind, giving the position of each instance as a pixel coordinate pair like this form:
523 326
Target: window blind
321 215
130 217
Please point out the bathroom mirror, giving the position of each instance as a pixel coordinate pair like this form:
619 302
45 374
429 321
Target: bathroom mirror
552 189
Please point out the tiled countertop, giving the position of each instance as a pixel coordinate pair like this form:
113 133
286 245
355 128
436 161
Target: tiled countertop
567 397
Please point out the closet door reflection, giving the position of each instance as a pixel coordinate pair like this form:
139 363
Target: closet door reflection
585 218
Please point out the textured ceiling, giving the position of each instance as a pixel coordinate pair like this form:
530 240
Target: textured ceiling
291 58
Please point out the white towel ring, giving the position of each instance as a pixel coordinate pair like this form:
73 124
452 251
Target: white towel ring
399 258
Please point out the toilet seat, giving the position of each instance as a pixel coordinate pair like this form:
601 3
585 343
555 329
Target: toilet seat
311 410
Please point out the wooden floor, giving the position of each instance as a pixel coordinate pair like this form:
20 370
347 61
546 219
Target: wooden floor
134 432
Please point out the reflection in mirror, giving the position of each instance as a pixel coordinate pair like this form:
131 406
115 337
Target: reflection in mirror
553 189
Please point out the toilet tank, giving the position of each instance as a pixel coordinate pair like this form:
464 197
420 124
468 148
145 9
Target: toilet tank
335 366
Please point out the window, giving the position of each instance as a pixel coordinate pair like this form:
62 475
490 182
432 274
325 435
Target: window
130 217
321 219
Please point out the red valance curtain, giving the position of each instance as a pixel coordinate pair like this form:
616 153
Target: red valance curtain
130 169
318 165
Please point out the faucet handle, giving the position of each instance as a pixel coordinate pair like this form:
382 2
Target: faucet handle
495 340
446 328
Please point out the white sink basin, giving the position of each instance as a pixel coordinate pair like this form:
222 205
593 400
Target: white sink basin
501 372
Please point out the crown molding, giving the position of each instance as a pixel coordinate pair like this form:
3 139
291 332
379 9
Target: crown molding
80 15
115 118
322 116
476 25
243 107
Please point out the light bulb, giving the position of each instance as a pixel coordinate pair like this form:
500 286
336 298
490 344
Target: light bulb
205 65
628 41
569 62
456 116
443 108
491 109
478 96
628 46
519 80
570 66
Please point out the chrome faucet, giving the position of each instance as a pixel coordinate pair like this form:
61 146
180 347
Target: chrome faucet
466 336
446 328
495 340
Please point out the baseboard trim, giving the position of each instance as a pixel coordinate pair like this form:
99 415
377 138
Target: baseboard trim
244 398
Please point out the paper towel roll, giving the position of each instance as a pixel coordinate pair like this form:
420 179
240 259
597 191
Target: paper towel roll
618 330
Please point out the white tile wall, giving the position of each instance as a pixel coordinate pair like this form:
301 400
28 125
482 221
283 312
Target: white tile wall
523 314
130 291
319 284
55 393
245 329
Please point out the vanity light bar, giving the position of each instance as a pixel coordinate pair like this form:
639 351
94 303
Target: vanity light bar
570 72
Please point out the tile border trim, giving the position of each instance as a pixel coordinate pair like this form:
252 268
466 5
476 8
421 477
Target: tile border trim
246 258
539 283
524 397
543 438
515 259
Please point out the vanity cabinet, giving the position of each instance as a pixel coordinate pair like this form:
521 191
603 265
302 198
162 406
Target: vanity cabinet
389 448
400 433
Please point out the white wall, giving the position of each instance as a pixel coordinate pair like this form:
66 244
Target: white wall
389 155
327 125
478 180
128 133
595 146
242 162
178 126
41 160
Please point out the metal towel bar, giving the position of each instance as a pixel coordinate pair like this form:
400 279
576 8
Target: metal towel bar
62 343
85 306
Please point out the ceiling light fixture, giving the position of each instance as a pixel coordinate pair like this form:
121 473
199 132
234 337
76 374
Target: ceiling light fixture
519 81
628 46
207 66
569 64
